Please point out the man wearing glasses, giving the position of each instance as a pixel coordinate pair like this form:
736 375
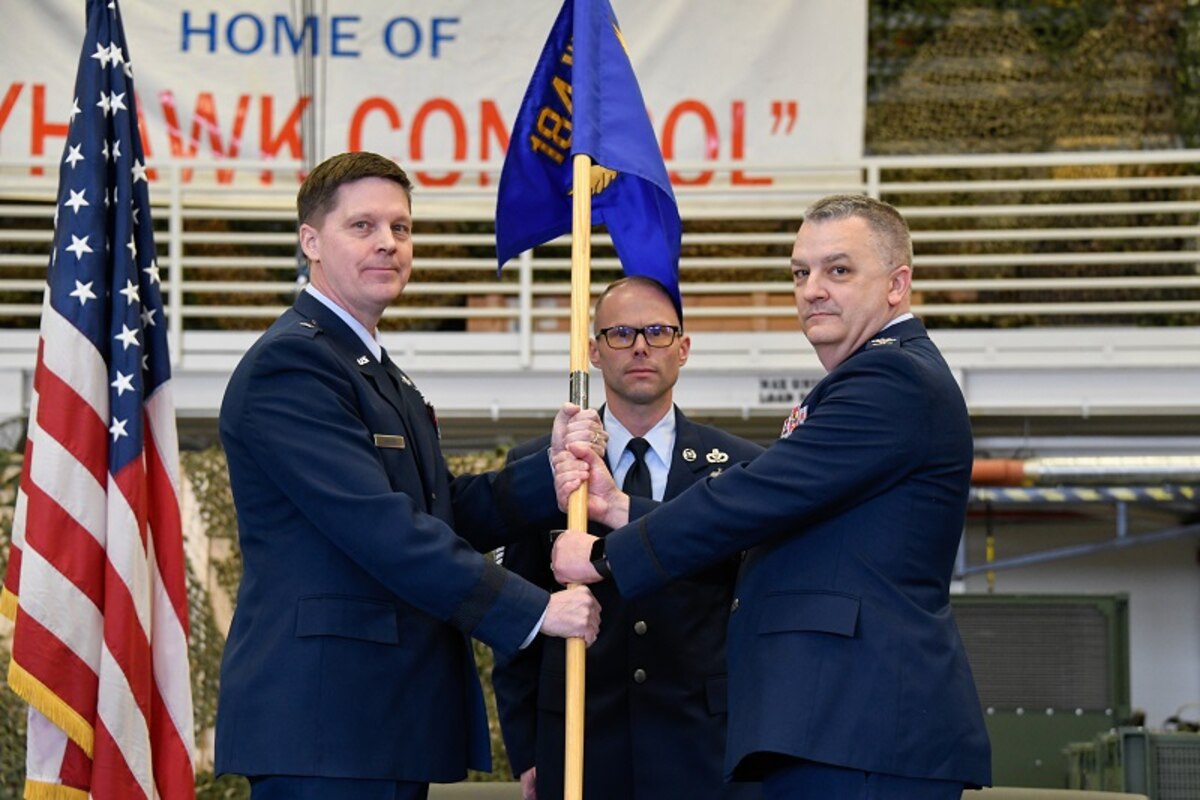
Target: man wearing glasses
655 704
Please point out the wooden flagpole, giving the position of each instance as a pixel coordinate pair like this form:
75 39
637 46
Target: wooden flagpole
581 280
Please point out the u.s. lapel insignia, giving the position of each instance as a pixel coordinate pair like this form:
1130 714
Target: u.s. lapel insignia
881 341
717 456
716 471
309 323
404 378
363 361
689 454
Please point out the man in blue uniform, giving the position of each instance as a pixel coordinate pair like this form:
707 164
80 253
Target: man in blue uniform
848 678
655 707
348 672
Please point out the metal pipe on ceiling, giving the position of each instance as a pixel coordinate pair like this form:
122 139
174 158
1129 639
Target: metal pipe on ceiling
1173 469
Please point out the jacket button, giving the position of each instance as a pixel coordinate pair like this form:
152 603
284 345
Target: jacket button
639 628
734 607
639 676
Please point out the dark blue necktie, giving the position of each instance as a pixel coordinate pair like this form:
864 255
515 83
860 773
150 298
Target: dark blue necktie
637 479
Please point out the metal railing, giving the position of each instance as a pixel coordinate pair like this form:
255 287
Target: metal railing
1065 239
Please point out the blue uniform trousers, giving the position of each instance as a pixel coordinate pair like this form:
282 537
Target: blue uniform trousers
286 787
808 780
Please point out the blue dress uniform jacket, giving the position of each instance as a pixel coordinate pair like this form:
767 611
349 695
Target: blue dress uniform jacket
655 706
348 655
842 648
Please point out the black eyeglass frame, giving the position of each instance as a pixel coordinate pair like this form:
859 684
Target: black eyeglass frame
676 332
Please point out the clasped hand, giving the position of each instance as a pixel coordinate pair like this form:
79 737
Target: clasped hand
571 558
580 462
573 613
580 459
575 425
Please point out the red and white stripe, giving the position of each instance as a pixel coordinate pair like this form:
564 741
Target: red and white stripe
98 580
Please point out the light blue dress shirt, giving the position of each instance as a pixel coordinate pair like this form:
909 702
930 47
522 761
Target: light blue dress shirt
658 458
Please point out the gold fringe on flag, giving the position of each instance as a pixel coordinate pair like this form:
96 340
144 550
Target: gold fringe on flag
37 790
52 707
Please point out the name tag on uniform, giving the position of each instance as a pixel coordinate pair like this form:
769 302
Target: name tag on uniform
393 440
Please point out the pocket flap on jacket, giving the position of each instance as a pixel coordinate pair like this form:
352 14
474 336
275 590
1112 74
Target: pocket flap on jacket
349 617
823 612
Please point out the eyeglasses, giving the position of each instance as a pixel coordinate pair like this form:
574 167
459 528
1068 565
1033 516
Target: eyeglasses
622 337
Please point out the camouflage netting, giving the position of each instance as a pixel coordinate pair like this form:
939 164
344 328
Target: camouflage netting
1005 77
982 85
1118 89
1037 76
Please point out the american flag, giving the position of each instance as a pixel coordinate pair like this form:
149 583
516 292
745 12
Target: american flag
96 579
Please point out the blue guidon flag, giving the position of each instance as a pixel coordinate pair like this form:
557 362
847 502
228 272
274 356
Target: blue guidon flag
584 98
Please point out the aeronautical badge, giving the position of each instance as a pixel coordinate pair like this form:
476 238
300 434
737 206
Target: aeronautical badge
717 457
363 361
689 454
794 420
881 341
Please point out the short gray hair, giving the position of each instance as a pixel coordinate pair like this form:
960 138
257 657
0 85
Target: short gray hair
891 231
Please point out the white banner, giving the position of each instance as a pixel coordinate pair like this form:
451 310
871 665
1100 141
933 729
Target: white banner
439 81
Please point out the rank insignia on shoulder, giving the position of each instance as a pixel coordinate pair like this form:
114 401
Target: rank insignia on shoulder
363 361
880 342
717 457
689 454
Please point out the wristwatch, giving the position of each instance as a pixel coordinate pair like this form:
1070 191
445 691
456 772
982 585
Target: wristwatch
599 561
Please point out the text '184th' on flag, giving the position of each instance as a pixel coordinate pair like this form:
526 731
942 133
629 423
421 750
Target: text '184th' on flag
584 98
96 578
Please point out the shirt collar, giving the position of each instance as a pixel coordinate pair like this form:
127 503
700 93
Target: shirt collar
661 437
905 317
372 342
